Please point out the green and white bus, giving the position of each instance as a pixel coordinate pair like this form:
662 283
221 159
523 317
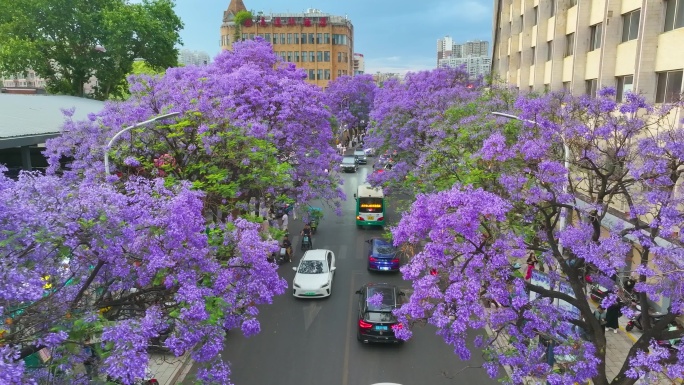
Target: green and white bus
370 206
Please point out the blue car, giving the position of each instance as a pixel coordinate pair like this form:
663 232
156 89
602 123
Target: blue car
382 256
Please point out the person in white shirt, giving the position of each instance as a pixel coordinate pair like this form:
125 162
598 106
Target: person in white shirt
285 218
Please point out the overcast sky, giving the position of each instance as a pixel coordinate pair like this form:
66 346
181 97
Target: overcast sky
393 35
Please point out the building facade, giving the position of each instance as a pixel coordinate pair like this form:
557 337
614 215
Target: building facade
28 79
445 47
471 48
584 45
319 43
187 57
359 64
474 65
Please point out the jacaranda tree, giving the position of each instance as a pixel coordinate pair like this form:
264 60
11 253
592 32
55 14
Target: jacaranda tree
89 266
250 127
628 155
408 118
350 100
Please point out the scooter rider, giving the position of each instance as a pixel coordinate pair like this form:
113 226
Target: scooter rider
288 248
307 231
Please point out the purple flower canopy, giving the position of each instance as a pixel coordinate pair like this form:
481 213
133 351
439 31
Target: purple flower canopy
513 202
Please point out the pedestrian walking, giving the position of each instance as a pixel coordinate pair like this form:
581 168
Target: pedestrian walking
531 261
613 314
284 221
600 315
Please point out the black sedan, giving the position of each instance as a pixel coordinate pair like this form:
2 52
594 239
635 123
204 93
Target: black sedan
376 323
349 164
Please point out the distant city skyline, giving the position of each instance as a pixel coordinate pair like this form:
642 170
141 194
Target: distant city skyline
395 36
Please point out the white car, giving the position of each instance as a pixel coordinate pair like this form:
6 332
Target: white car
314 274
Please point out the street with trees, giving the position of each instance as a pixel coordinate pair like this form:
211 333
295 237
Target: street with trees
497 190
163 253
350 100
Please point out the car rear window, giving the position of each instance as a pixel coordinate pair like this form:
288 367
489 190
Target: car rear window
379 316
359 152
383 248
348 160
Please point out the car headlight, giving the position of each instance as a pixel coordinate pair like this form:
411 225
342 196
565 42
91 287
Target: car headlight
326 285
295 285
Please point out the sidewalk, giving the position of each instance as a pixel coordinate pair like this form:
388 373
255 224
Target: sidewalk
169 369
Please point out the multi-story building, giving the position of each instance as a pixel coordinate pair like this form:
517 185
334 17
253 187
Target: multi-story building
319 43
474 65
584 45
28 79
445 47
187 57
471 48
359 64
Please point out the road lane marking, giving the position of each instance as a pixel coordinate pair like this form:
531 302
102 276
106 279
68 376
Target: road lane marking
350 311
310 312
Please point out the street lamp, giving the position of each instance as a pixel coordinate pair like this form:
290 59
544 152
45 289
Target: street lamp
118 134
566 158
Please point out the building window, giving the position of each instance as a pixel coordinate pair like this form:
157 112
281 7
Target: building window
304 56
535 14
289 56
674 15
320 75
312 74
319 56
251 36
282 38
312 56
669 86
339 57
591 87
267 37
552 8
319 38
326 74
549 50
521 23
566 86
339 73
296 56
630 25
244 36
311 38
569 44
534 57
326 56
546 88
289 38
296 38
624 85
572 3
326 38
595 32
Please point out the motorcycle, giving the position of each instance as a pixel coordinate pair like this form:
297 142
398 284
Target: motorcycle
306 242
635 321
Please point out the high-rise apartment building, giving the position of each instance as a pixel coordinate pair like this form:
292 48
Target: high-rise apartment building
359 64
584 45
187 57
445 47
474 55
319 43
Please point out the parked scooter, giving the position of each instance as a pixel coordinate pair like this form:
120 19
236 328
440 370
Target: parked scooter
635 321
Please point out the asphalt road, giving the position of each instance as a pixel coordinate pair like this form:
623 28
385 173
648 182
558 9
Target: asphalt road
313 341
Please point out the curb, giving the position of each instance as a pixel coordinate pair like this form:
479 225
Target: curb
182 371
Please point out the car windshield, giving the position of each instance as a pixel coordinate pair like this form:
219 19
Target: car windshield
348 160
359 153
383 248
388 300
312 267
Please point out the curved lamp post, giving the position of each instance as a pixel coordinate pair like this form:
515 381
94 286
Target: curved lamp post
566 158
118 134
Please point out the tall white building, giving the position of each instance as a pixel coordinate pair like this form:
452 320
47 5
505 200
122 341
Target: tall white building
187 57
474 65
473 54
359 64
